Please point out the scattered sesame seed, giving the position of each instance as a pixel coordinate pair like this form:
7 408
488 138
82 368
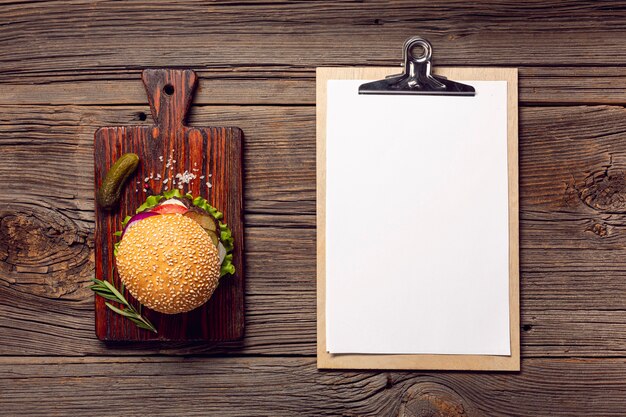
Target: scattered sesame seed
185 177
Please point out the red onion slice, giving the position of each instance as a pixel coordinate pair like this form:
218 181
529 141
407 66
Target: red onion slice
137 217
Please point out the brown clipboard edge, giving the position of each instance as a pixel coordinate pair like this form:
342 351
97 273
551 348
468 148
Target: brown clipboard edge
326 360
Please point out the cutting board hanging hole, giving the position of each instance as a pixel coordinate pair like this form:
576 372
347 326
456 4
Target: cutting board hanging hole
168 89
169 93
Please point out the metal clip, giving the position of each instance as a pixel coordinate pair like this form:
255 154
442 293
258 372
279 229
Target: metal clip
417 77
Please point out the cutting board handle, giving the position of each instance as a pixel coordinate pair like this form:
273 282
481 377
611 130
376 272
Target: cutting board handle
170 92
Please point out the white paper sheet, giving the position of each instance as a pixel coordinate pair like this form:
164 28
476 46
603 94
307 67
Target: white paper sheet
417 222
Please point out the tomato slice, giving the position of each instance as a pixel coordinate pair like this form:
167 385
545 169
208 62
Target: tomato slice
169 209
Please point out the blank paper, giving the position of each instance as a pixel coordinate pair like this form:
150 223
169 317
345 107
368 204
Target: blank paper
417 243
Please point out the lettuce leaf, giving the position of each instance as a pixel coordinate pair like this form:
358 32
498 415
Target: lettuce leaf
226 235
150 202
204 205
227 266
153 200
172 193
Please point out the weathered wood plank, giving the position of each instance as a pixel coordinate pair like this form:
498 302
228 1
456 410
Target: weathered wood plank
571 85
238 86
573 160
564 154
49 145
460 15
284 86
573 248
79 54
83 52
46 309
96 41
51 313
293 386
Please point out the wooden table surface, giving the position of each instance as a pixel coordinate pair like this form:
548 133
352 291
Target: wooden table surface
69 67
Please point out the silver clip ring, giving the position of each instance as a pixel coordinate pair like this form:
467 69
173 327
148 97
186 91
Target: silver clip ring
418 41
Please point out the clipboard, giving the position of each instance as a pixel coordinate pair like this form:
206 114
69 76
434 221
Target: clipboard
419 69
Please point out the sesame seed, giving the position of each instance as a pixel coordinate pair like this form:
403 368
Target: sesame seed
182 286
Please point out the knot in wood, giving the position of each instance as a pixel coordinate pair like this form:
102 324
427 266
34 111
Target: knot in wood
429 399
605 191
38 247
599 229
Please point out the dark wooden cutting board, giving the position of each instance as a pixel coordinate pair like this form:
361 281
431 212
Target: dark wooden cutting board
165 149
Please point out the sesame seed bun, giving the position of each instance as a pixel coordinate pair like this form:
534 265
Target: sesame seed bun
168 263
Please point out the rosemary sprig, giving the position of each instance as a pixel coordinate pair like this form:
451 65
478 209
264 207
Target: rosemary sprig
108 291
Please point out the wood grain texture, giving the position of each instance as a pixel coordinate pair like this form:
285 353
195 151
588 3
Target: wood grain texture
67 68
280 307
271 85
166 150
564 155
292 386
69 37
572 254
46 143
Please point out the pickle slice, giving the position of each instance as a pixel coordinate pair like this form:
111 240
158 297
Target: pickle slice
213 237
204 219
111 189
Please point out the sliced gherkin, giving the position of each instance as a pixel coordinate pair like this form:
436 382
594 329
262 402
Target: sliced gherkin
111 189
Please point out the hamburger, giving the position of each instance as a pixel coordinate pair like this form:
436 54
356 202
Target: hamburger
173 252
